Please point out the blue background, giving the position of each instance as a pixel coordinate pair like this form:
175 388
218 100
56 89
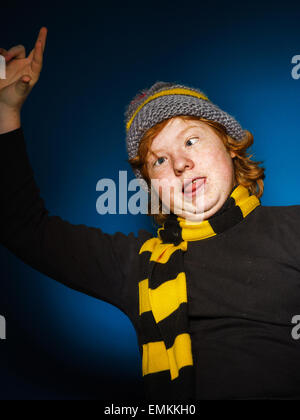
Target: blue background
60 343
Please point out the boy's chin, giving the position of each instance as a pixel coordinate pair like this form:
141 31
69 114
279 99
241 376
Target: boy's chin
192 213
192 217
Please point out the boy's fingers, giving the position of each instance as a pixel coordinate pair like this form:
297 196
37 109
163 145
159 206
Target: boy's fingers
36 54
37 60
43 36
17 51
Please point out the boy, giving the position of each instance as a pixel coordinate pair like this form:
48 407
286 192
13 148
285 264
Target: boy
212 295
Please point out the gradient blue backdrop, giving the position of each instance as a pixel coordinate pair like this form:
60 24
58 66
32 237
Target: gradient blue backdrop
60 343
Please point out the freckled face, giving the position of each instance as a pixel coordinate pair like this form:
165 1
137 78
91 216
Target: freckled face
190 169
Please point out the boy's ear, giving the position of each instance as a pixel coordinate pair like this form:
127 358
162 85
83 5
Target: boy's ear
232 154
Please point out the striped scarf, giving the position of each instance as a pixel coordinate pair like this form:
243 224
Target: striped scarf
167 361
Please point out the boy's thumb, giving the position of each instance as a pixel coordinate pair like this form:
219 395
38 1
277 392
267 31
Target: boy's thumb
22 85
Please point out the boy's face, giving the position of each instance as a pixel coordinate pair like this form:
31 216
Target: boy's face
185 150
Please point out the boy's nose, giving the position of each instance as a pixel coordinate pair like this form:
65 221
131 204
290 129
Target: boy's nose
181 163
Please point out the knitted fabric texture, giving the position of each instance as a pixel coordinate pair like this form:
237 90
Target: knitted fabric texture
167 361
166 100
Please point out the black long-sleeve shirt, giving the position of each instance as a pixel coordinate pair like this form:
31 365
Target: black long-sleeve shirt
243 285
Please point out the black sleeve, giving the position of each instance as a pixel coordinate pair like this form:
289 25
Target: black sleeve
81 257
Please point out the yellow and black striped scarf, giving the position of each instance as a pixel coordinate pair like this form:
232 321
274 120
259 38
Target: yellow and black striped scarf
167 361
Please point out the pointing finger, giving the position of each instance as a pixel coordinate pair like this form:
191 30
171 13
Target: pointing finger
37 52
41 37
37 60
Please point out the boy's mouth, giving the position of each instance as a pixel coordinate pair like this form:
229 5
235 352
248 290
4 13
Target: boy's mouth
190 187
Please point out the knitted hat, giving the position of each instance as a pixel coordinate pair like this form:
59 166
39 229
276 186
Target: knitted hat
166 100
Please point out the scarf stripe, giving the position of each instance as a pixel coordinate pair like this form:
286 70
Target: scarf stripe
158 358
161 252
165 299
165 325
167 362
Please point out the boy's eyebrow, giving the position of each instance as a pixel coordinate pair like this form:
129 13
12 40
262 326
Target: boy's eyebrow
188 128
181 133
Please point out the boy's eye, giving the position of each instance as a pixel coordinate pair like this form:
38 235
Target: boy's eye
158 161
191 141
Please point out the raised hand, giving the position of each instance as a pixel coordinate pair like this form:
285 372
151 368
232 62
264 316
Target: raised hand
22 72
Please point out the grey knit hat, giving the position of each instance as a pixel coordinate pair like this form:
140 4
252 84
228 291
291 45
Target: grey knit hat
166 100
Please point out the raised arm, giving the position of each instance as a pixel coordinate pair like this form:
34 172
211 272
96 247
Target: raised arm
83 258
